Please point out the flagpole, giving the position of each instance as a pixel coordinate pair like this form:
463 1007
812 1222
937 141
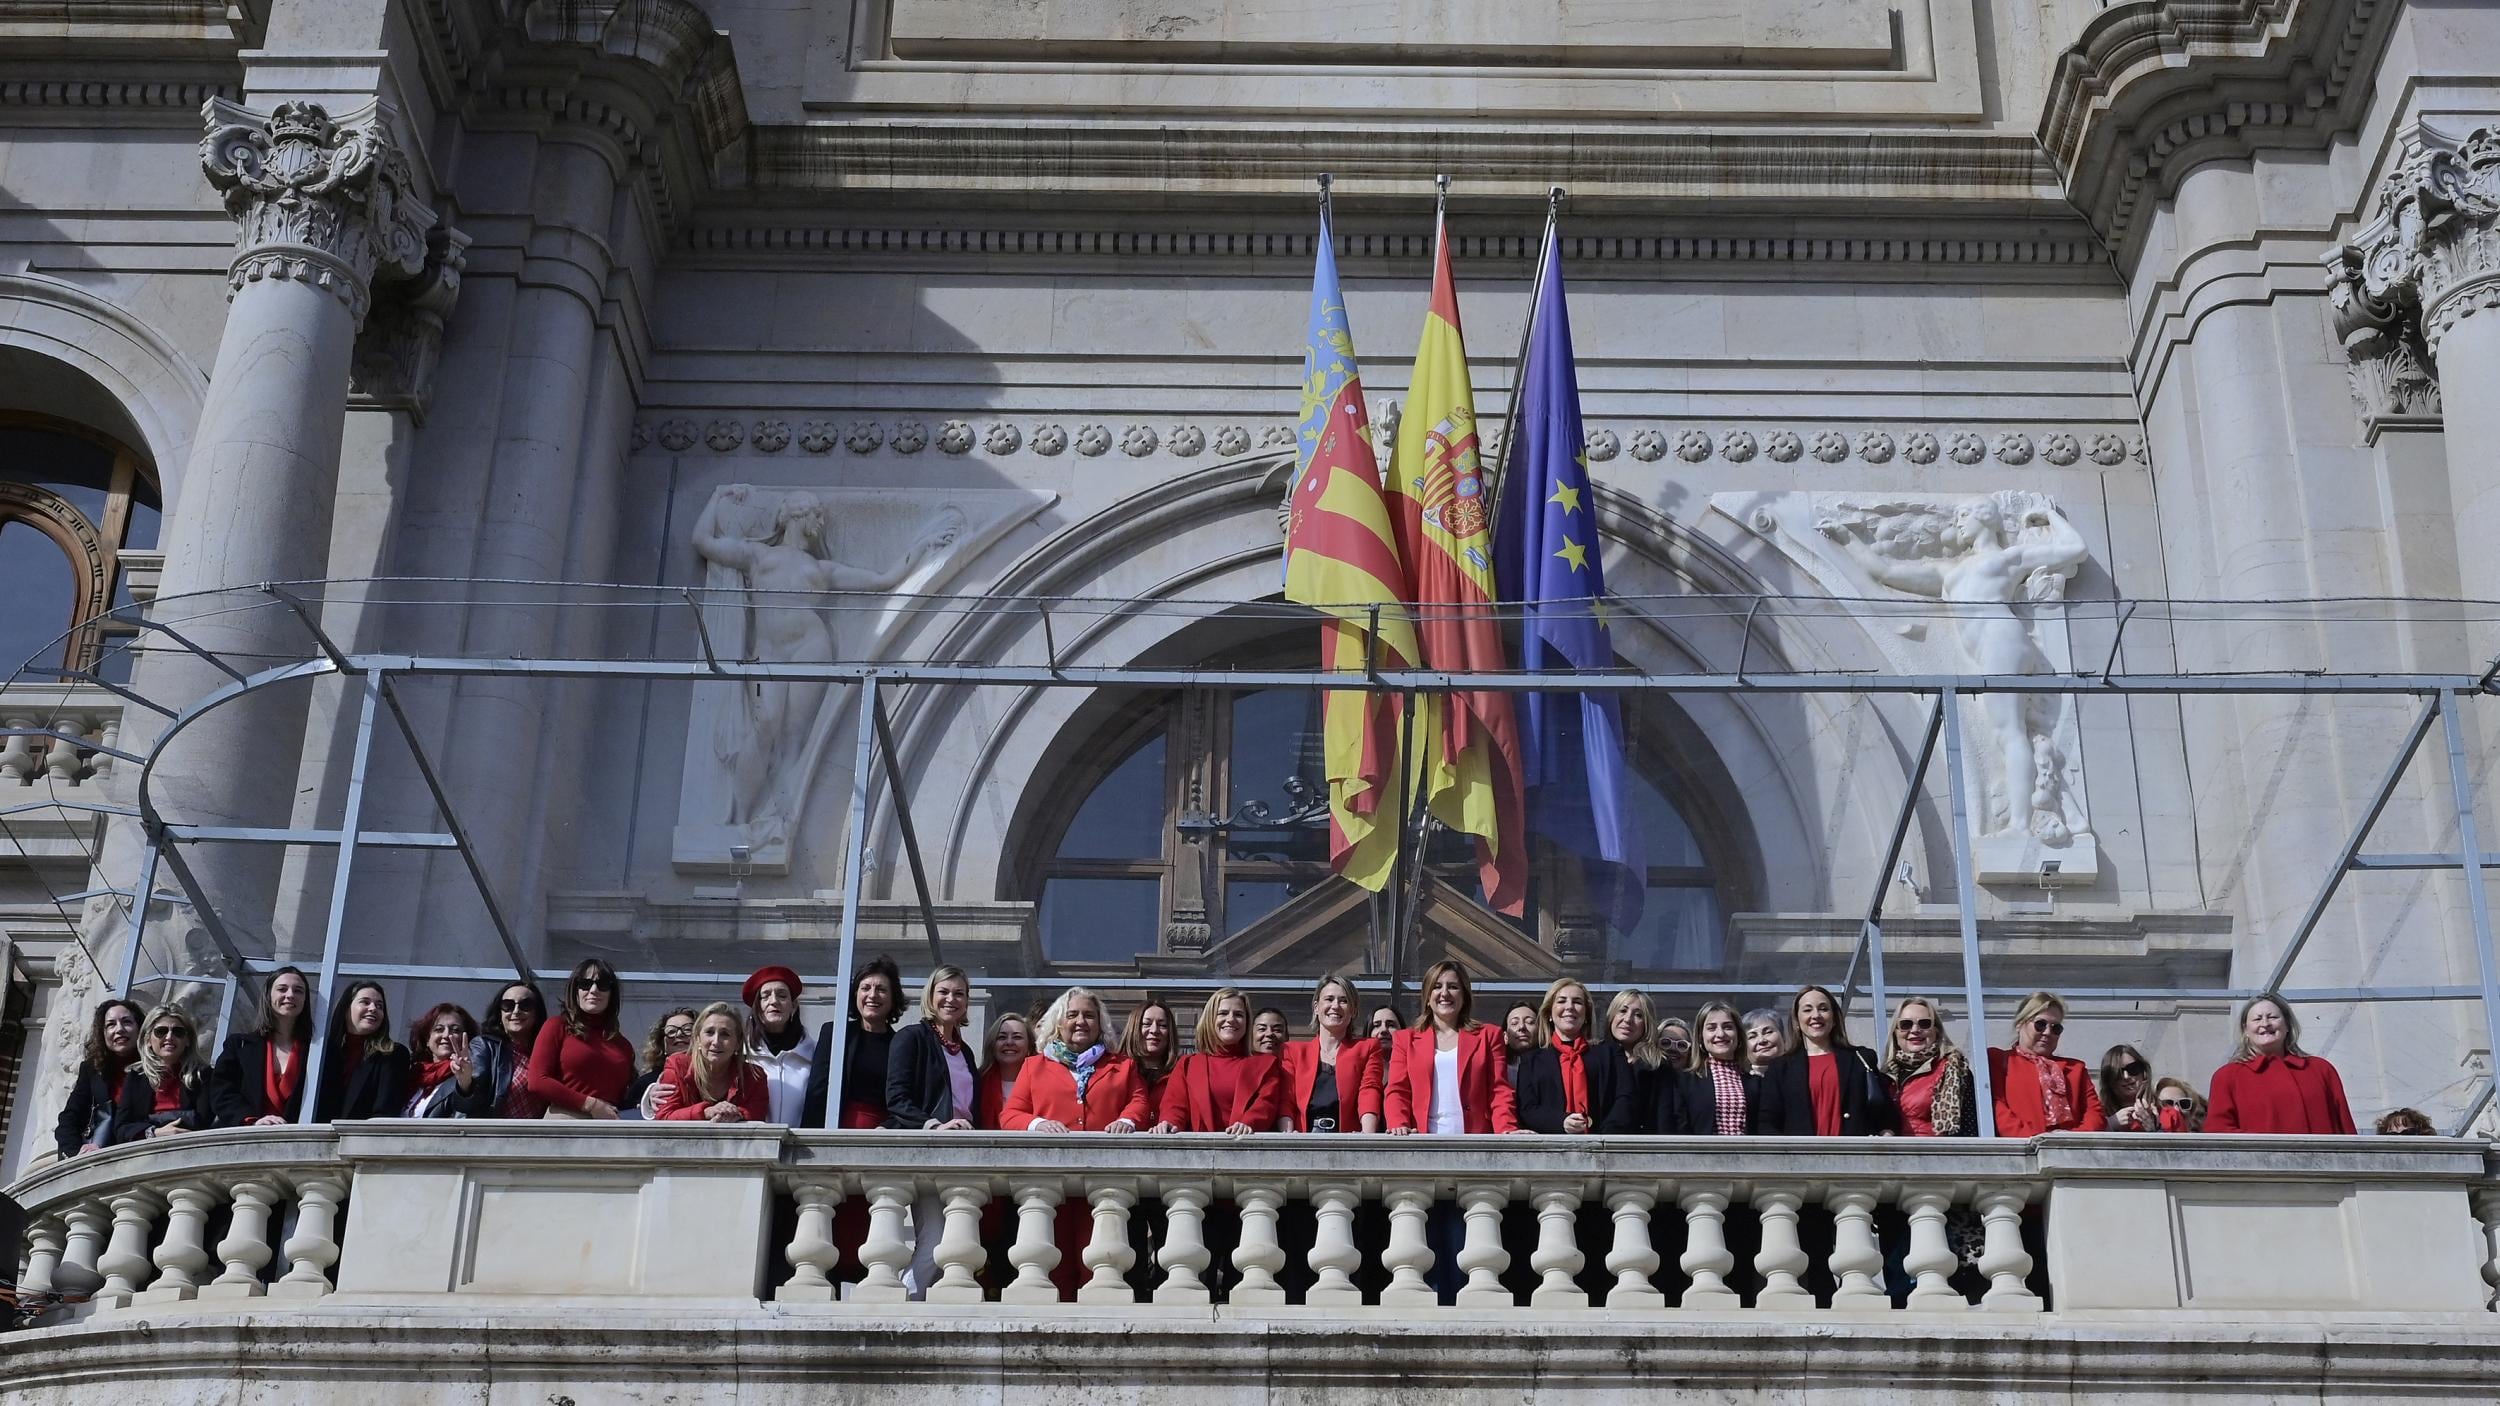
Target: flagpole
1519 368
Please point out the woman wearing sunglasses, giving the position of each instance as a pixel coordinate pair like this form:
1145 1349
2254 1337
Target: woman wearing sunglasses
166 1089
1931 1079
672 1034
2178 1100
514 1020
2036 1090
2127 1094
581 1063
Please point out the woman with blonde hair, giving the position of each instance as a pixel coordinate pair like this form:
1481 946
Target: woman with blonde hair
2038 1090
712 1081
165 1090
1717 1092
1566 1085
1825 1087
1931 1079
1630 1043
1075 1083
1333 1081
1221 1086
2272 1085
931 1075
2178 1100
1446 1073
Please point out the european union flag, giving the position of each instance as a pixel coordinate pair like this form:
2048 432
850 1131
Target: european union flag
1548 562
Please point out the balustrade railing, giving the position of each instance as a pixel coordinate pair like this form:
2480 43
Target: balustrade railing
1367 1227
77 727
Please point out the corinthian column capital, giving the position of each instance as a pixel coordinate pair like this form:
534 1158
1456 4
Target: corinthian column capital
2430 255
329 202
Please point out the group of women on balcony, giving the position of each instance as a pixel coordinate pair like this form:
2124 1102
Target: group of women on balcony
1559 1067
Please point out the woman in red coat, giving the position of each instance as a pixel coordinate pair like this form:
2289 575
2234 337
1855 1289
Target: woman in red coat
1447 1074
2035 1090
1151 1041
711 1081
1333 1081
1076 1084
1222 1087
2272 1085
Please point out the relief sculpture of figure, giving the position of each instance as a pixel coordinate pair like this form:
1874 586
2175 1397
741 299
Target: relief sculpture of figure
1983 557
765 742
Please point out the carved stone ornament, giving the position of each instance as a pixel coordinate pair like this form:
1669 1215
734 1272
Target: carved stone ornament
1601 446
1648 446
330 203
2428 259
403 333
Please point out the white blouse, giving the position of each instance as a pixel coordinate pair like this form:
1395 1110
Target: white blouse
1447 1115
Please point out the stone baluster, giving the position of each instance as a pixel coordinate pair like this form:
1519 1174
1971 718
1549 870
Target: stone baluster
1706 1259
45 1240
1184 1253
100 765
246 1248
1258 1256
2487 1208
1557 1258
812 1253
77 1276
2004 1260
1482 1256
1334 1255
1408 1257
1856 1258
61 759
887 1250
959 1252
1931 1259
125 1262
182 1256
1036 1251
1782 1259
17 757
1107 1255
314 1246
1633 1258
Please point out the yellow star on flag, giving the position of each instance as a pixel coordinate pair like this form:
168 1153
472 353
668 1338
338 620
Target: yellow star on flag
1566 495
1575 554
1602 613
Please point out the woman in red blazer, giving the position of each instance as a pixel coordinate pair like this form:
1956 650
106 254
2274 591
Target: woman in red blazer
1474 1068
1151 1041
2036 1091
2272 1085
1349 1099
1222 1087
711 1081
1076 1084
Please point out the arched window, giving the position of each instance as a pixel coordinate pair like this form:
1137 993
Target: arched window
71 502
1195 814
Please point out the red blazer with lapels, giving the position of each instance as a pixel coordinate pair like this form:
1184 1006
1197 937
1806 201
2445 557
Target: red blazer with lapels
1484 1093
1360 1083
1258 1095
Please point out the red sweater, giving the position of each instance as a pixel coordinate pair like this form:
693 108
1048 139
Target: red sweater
752 1092
569 1070
2278 1094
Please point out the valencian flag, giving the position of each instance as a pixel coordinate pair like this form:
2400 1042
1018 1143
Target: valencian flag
1437 500
1549 560
1341 554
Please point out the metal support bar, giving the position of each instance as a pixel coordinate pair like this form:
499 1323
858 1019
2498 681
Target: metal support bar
2469 842
2352 846
79 742
225 1010
854 890
279 835
128 694
1966 891
90 807
2406 862
451 822
190 644
139 906
350 822
1744 646
2474 1110
902 821
321 637
211 922
2115 636
1050 640
702 632
1871 932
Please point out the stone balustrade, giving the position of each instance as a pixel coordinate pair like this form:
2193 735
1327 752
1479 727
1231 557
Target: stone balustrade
2368 1229
69 757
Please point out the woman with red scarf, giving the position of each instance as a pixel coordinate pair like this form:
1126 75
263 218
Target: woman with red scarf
1560 1085
259 1078
1448 1073
712 1081
2036 1090
165 1090
112 1047
1334 1080
446 1071
1222 1087
2271 1084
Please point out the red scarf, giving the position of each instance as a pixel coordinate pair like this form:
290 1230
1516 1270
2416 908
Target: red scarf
1575 1074
2057 1110
277 1087
435 1071
170 1092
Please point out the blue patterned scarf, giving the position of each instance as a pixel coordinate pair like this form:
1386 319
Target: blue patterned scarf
1080 1063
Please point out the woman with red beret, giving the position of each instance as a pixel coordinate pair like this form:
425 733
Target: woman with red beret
2037 1091
1334 1080
1448 1073
777 1042
712 1081
2271 1084
1222 1087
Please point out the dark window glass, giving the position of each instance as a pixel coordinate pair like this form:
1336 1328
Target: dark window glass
80 470
41 591
1123 818
1101 920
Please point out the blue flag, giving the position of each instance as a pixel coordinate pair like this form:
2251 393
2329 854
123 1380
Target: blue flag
1547 559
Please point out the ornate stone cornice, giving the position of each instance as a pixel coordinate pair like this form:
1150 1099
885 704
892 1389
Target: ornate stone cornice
2155 88
403 338
327 202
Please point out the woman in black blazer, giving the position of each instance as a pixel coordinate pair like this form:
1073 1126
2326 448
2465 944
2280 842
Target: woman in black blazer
364 1072
112 1048
166 1090
1539 1077
259 1076
1630 1046
929 1058
1697 1101
1862 1103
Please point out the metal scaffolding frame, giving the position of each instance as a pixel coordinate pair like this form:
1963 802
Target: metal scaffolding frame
375 675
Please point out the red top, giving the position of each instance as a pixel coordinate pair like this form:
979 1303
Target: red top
1484 1094
1823 1091
989 1097
278 1086
170 1092
1917 1100
1360 1082
2022 1109
2278 1094
569 1070
751 1091
1045 1088
1209 1092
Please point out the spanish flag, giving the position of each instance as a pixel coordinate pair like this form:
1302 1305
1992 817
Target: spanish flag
1342 555
1438 506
